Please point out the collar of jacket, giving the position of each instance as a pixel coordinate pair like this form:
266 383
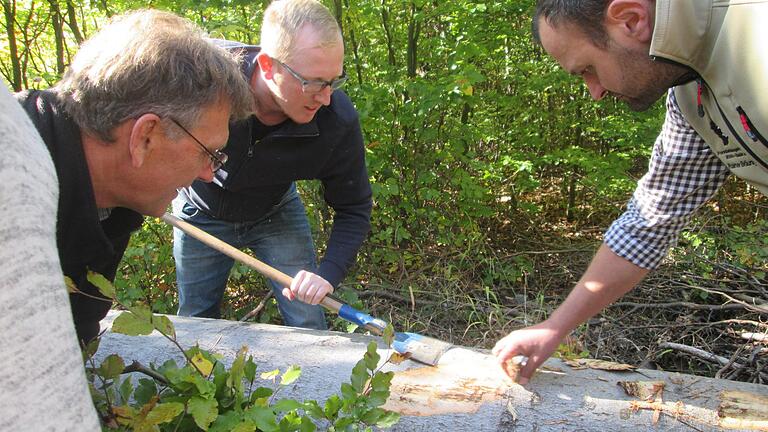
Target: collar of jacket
683 31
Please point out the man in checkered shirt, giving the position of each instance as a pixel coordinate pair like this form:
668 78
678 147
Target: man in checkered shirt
638 51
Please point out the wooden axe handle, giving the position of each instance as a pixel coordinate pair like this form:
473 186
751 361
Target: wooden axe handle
283 279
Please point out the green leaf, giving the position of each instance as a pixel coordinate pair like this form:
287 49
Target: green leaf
284 405
204 411
359 376
91 348
165 412
164 325
142 311
249 369
348 392
332 406
388 419
307 425
126 388
262 392
342 423
371 356
111 367
128 323
312 408
381 381
292 374
264 418
145 390
372 416
105 286
231 421
389 334
245 426
378 398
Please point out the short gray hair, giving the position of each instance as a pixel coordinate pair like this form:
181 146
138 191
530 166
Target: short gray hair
149 61
284 18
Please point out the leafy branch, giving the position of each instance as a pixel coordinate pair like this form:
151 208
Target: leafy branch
202 394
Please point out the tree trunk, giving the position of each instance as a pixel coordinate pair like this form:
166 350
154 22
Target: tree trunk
355 47
337 13
72 15
58 32
414 28
387 34
467 390
9 8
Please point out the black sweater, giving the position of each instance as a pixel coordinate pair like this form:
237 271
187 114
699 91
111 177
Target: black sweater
260 171
84 242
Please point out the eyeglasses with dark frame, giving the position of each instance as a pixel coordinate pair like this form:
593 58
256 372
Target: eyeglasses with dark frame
315 86
218 159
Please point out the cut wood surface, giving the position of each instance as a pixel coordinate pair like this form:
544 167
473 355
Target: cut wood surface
467 391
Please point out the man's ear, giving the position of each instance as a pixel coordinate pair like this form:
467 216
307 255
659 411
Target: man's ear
631 18
145 135
265 64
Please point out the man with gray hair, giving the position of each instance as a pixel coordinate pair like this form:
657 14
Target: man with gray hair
143 110
302 129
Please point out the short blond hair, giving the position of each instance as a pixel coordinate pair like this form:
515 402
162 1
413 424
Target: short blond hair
283 20
150 61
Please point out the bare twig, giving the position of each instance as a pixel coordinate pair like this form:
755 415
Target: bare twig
689 305
696 352
755 337
258 308
138 367
707 356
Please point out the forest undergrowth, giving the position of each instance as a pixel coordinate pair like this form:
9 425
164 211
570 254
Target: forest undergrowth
704 311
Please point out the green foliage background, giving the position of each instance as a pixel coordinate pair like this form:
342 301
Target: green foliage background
482 153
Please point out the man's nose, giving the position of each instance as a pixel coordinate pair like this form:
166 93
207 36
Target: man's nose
324 95
596 90
206 174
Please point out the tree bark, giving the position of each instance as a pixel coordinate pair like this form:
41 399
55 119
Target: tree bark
72 22
387 34
9 9
58 32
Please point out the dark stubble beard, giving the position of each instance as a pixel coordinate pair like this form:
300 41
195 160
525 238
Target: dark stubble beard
649 80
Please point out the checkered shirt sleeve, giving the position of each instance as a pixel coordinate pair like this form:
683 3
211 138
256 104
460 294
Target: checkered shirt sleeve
683 174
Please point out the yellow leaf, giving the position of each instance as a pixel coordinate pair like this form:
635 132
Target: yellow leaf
202 364
70 284
270 374
397 358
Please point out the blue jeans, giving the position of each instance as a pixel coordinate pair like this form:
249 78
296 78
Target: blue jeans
281 239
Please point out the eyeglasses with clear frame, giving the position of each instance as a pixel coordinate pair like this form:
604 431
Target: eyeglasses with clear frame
218 159
317 85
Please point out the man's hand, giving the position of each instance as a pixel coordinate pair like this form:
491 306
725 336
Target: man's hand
608 277
308 288
537 342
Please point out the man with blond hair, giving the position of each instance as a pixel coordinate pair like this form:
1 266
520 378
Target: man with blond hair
303 128
143 110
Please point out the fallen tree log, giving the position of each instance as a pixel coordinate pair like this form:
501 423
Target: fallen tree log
467 391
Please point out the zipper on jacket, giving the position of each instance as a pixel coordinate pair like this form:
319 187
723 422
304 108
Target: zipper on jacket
250 149
699 89
738 138
749 128
718 131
